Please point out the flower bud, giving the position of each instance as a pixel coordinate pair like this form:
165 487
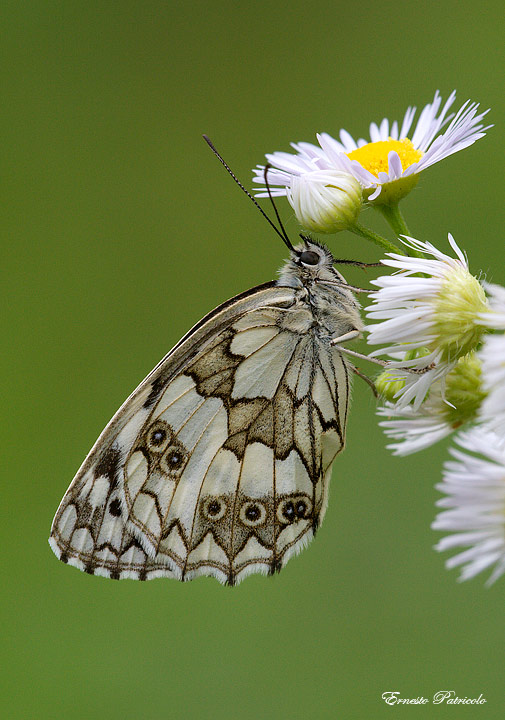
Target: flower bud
325 201
452 402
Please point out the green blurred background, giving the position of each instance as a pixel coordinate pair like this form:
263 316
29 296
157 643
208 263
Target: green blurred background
120 230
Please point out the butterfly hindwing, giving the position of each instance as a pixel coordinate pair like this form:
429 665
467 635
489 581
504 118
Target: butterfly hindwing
218 464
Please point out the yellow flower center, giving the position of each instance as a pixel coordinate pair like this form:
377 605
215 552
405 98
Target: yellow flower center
463 391
374 156
460 301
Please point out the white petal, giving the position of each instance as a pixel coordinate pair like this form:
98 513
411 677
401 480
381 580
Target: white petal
348 143
474 487
395 165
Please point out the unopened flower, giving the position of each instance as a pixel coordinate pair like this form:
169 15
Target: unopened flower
474 504
451 403
388 165
430 305
325 201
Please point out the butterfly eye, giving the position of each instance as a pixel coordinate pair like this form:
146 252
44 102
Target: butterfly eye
309 257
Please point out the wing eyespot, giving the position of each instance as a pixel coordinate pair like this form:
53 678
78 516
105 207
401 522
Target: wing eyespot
286 511
174 459
158 437
213 508
253 513
301 508
295 508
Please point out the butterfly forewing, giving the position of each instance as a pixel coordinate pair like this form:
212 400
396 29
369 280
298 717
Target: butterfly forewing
218 464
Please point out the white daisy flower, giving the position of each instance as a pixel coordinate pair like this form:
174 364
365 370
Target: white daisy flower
388 165
474 506
492 356
436 314
450 405
286 166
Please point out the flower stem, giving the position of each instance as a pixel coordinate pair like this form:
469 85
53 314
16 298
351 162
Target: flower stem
393 216
382 242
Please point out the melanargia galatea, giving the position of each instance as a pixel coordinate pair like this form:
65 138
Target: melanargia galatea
219 462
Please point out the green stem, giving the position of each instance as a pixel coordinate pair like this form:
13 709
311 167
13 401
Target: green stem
382 242
393 216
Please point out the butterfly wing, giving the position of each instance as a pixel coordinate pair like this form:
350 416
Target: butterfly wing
218 464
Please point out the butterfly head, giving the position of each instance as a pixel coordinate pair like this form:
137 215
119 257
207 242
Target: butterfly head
312 256
310 262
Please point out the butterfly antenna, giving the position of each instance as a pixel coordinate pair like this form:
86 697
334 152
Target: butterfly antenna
282 234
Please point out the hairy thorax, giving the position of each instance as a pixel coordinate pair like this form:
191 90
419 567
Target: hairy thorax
327 313
324 303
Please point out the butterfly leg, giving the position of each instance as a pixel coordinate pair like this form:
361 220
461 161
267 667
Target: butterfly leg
351 335
354 288
368 380
376 361
357 263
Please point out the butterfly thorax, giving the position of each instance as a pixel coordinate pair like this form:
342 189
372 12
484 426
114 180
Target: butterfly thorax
321 290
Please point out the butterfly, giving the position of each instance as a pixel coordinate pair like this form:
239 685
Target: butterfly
219 462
